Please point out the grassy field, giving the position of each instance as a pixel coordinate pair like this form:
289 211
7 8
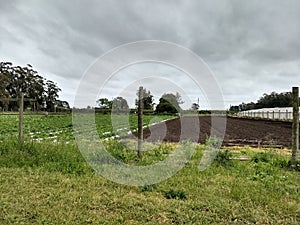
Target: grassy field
49 182
46 183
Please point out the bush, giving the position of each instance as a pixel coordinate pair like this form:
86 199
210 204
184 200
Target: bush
223 158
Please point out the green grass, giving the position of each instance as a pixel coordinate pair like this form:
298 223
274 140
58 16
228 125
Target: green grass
50 183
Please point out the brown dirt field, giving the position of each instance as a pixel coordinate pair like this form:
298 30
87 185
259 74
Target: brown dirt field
239 131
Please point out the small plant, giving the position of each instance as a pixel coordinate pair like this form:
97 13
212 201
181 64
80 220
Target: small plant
223 158
175 194
213 142
290 166
213 154
148 188
263 171
281 162
262 157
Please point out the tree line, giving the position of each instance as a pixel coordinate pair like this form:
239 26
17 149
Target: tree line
39 93
42 94
168 103
272 100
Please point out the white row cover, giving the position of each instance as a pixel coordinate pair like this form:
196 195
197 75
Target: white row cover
284 113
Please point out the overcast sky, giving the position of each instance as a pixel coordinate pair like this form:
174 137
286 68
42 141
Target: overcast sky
252 47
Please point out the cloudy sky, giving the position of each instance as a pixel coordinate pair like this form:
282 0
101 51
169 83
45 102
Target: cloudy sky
251 47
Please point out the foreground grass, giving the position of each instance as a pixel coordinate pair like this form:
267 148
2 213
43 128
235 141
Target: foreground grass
46 183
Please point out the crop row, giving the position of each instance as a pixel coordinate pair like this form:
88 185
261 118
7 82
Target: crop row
60 127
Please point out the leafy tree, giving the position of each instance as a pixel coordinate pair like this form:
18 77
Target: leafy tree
247 106
267 101
179 99
120 105
4 81
148 100
5 70
51 95
275 100
63 104
195 106
168 103
234 108
104 103
16 80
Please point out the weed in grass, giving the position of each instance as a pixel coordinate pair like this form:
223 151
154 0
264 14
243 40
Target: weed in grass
175 194
117 150
223 158
264 172
213 142
296 168
213 145
262 157
149 188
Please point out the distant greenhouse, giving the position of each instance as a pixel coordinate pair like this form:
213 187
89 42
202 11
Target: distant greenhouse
280 113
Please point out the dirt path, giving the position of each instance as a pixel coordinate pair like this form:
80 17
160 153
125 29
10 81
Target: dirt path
239 132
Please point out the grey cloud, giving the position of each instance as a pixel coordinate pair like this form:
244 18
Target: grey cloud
247 44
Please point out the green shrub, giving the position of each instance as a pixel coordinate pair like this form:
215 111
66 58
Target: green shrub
223 158
213 142
263 171
281 162
262 157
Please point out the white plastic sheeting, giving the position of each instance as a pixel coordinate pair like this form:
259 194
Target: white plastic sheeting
284 113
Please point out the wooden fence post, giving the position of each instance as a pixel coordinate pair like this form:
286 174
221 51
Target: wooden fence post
140 122
21 108
295 134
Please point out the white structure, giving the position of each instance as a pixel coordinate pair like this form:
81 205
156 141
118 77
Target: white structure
284 113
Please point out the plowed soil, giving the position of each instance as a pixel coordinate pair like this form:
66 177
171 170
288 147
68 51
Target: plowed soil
239 131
